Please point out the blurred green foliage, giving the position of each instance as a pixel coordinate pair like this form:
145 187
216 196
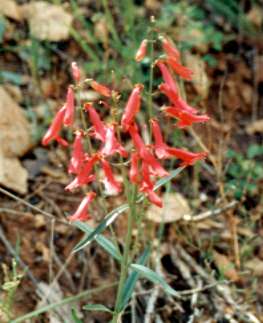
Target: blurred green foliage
244 171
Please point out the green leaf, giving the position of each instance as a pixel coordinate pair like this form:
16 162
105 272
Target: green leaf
97 308
132 279
154 278
105 243
112 216
75 316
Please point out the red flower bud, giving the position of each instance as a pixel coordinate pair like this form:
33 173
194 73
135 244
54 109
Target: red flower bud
132 107
101 89
75 72
69 113
141 52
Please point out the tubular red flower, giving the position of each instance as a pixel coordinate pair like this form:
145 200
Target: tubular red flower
55 127
168 78
188 158
134 174
167 91
98 125
145 154
176 100
84 176
101 89
170 49
75 71
147 186
78 154
141 52
132 107
112 186
185 118
160 146
179 69
81 213
69 114
112 145
184 106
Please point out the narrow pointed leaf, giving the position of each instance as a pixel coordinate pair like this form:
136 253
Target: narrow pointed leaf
97 308
154 278
132 279
105 243
112 216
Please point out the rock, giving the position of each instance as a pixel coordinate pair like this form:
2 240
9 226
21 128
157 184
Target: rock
12 174
10 9
47 21
15 140
15 137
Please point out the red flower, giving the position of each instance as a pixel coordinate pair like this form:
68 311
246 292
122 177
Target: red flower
55 127
101 89
99 127
132 107
112 186
75 72
145 154
187 157
69 114
78 154
147 186
166 90
160 146
169 81
112 145
84 176
179 69
134 175
141 52
170 49
184 106
81 213
185 118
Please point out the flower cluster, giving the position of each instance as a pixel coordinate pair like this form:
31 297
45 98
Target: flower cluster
144 160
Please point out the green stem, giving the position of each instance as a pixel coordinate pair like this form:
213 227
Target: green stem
125 258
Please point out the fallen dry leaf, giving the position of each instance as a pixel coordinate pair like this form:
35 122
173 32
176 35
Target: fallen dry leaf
47 21
225 266
200 78
175 207
10 9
